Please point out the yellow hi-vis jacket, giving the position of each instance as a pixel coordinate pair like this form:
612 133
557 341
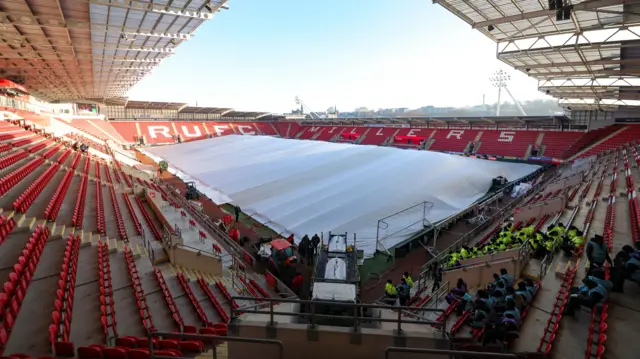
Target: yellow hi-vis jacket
389 289
409 280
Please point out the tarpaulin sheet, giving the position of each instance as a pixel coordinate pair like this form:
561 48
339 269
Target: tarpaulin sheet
308 187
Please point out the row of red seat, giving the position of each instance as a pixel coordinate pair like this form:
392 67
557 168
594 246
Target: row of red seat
553 323
87 165
56 201
227 295
259 288
138 348
107 173
214 301
63 305
78 211
76 160
145 214
634 208
7 182
132 212
126 179
37 147
194 301
24 141
186 346
4 147
116 210
9 136
6 227
63 157
596 338
107 304
12 158
52 151
100 220
138 291
250 289
168 297
117 176
19 279
26 199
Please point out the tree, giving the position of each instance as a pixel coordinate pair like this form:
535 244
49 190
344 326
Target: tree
163 166
331 110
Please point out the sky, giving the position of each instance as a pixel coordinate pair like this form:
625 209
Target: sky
259 55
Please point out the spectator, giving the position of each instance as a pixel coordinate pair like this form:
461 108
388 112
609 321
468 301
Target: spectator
404 292
237 211
437 278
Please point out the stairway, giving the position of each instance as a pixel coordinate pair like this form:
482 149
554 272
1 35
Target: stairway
584 150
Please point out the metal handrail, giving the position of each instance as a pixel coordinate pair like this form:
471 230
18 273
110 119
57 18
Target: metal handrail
451 353
355 317
230 245
426 268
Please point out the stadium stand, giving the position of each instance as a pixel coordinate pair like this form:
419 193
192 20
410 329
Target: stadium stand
76 194
82 195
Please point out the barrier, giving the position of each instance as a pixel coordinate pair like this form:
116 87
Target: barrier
497 217
354 316
540 209
392 225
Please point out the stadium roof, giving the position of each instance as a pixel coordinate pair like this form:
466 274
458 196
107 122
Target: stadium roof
592 57
450 121
92 49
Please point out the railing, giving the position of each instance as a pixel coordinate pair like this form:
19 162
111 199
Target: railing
383 224
354 316
168 239
230 245
469 236
450 353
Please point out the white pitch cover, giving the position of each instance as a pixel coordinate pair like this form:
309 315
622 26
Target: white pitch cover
307 187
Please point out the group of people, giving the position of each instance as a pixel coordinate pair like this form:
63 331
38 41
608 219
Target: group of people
308 247
594 289
541 243
626 266
497 308
401 292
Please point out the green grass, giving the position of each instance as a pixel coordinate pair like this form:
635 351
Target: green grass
262 230
376 267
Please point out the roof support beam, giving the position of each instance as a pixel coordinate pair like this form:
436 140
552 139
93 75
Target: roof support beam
582 74
579 63
158 9
587 5
79 57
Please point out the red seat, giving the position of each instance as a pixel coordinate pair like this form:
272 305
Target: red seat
168 353
138 354
114 353
144 343
129 342
191 346
89 352
64 349
169 344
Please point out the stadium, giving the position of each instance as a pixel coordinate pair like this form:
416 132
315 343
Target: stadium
145 229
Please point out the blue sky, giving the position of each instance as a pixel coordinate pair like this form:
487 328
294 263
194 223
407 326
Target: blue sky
260 54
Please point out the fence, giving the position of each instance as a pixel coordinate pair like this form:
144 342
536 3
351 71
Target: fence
354 316
402 224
